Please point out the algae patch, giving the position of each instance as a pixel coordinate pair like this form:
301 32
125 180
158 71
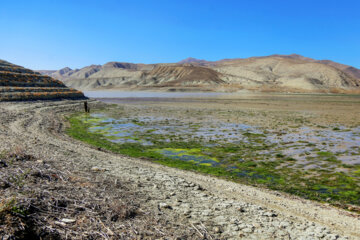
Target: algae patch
313 163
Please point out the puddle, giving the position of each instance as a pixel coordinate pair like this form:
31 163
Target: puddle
305 142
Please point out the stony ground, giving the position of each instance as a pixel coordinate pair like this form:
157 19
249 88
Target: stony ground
194 206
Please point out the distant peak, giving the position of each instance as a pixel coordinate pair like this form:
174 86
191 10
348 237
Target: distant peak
65 70
123 65
192 60
296 55
293 55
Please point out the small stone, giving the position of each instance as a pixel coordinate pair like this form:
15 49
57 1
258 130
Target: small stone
98 169
4 184
332 236
270 214
187 212
234 220
60 223
3 164
319 235
68 220
247 230
216 230
235 228
241 209
206 213
164 205
256 225
243 225
284 224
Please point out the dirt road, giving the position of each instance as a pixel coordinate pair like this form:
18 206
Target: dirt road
211 207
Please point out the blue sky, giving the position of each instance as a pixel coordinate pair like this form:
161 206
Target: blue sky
54 34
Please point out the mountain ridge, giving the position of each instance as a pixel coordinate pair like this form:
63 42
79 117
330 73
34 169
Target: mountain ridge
282 72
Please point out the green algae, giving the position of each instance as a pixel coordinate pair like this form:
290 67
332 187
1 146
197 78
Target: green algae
193 155
255 162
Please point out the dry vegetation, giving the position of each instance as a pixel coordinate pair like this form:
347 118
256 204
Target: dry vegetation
40 201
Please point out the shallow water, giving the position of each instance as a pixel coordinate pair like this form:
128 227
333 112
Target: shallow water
188 155
138 94
304 144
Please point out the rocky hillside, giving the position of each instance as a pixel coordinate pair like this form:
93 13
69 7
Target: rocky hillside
18 83
277 72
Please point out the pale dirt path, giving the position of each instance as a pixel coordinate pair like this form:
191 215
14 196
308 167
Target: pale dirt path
224 209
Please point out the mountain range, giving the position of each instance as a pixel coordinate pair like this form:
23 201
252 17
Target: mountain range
275 72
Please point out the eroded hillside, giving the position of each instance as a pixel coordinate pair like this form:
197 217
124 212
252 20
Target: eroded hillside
18 83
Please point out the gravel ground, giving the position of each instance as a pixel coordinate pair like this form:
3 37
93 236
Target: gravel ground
211 208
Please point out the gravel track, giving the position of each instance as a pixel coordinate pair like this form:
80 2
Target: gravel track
214 208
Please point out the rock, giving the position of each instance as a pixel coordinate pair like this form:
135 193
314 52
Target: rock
207 213
242 226
226 205
234 220
68 220
98 169
270 214
3 164
282 233
186 205
216 230
235 228
164 205
60 223
241 209
4 184
256 225
319 235
331 237
284 224
248 230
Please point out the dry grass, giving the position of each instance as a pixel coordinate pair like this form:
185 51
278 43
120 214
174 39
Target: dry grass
38 201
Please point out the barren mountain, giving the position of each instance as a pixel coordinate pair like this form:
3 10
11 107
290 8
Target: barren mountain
277 72
354 72
18 83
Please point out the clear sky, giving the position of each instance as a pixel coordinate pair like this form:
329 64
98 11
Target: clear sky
53 34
